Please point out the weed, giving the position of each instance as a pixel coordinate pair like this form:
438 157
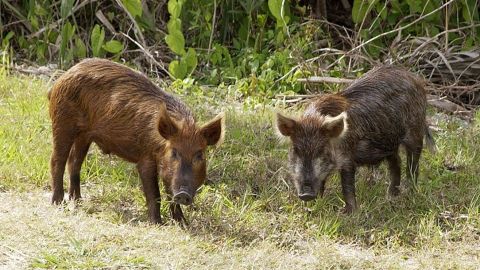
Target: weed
247 215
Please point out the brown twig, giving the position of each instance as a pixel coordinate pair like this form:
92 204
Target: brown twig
137 30
447 106
316 79
213 25
150 57
99 14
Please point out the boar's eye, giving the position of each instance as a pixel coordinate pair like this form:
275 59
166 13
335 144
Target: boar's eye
199 156
174 154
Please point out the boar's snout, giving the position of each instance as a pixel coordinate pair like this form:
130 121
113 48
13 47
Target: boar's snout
183 196
307 193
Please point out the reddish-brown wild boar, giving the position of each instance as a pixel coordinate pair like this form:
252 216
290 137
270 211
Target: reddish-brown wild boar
125 114
361 125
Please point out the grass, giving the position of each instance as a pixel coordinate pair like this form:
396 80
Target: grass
247 216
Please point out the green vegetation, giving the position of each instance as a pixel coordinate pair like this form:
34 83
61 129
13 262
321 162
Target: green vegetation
239 56
260 46
246 217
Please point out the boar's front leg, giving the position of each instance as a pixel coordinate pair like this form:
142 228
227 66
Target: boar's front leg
347 173
148 173
62 143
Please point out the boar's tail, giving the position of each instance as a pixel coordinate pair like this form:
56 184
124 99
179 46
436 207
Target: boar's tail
430 142
49 93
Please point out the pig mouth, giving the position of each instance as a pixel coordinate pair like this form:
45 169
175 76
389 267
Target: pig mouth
183 196
307 193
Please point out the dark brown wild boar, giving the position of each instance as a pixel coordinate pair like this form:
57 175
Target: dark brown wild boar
361 125
125 114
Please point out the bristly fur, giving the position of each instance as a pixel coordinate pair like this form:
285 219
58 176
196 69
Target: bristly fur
125 114
386 108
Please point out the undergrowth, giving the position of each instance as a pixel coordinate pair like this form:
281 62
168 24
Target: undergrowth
248 197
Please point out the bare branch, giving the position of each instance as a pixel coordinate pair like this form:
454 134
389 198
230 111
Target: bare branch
316 79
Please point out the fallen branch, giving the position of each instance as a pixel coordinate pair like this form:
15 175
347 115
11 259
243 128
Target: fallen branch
440 103
447 106
316 79
43 70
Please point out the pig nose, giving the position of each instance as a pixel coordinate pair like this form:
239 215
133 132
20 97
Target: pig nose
307 193
183 197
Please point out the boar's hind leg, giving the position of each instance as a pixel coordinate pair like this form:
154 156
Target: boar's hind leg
347 173
395 174
149 176
413 156
75 159
62 142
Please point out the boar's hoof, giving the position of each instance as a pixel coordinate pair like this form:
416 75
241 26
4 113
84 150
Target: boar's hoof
156 221
57 199
393 191
348 209
183 197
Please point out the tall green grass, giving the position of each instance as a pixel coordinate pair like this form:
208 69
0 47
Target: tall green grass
249 197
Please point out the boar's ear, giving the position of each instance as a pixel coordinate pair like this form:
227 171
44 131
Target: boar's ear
166 126
214 130
286 126
336 126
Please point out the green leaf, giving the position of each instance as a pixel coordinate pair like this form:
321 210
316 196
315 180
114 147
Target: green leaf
40 11
275 7
40 51
469 10
469 43
176 42
416 6
381 11
174 24
190 59
147 21
67 33
7 38
113 46
80 48
177 70
429 7
175 8
134 7
96 40
22 42
34 22
361 8
66 7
